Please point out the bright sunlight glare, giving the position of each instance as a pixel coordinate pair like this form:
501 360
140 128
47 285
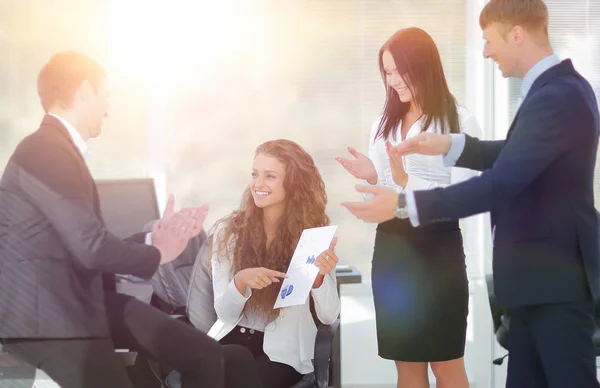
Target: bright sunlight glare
175 42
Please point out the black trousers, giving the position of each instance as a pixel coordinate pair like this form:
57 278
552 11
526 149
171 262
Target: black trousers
92 363
551 346
272 374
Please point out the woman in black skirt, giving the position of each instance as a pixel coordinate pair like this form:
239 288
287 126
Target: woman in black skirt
418 275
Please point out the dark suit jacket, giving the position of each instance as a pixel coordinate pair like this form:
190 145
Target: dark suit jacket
54 246
538 185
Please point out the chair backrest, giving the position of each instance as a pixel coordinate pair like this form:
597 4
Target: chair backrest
200 304
130 206
495 309
127 204
172 281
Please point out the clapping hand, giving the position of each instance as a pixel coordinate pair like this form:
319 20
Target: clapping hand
397 166
360 167
173 231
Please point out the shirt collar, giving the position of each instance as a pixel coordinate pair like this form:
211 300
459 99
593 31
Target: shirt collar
75 136
537 70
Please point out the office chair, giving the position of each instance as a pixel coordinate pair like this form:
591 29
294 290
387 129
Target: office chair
500 319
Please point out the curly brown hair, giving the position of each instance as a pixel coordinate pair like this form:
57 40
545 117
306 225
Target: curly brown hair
304 207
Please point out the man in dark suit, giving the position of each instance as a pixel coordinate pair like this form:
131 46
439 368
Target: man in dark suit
538 186
54 249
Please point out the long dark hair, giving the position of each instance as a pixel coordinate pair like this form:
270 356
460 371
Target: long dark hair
305 201
418 62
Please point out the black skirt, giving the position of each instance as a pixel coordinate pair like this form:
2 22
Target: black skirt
420 290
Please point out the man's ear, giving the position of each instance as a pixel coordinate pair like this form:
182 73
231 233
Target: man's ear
517 34
78 96
85 90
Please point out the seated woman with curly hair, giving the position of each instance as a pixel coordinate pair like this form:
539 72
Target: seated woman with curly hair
252 249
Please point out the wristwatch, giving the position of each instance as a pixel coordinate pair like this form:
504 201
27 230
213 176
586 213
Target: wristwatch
401 207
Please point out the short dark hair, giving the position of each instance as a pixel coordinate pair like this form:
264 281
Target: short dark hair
63 74
418 61
530 14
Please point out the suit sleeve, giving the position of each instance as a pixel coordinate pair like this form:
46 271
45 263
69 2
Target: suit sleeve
53 179
478 154
139 238
540 136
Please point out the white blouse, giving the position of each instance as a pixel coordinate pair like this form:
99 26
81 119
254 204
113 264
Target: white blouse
289 339
424 172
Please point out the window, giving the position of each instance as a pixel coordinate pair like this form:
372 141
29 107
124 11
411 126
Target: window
321 87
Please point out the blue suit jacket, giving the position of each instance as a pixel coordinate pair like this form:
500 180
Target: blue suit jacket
538 186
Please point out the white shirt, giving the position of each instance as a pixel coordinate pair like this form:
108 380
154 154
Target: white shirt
289 339
535 71
424 172
75 136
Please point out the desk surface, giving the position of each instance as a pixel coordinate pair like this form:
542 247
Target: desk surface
350 275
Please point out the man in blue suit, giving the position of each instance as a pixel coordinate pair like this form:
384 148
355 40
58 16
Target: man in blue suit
538 186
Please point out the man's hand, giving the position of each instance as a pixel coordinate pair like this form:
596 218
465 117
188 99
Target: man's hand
380 208
195 217
360 167
326 261
424 143
170 235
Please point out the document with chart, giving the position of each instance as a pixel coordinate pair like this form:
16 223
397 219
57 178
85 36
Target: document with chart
302 272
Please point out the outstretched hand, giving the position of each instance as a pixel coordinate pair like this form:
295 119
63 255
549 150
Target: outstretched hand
425 143
381 207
